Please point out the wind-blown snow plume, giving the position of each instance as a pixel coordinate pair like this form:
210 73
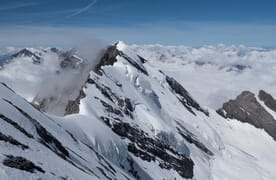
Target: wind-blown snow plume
56 78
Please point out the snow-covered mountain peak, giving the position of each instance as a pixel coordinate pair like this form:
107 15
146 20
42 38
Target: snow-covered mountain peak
223 71
120 45
32 53
132 118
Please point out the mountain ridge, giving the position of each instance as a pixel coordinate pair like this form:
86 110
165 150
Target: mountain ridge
130 120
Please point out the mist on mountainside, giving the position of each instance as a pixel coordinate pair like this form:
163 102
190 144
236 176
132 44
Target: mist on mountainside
57 78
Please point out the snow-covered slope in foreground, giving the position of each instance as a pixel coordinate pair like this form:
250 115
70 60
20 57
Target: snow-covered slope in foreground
36 146
132 120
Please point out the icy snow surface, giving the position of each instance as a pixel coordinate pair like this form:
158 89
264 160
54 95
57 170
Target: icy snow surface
211 74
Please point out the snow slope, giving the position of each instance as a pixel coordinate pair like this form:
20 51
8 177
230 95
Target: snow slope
157 110
133 118
221 72
32 135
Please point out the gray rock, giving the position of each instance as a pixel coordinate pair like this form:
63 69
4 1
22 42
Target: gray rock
110 57
151 149
72 106
70 60
184 96
246 108
27 53
21 163
268 100
11 140
46 138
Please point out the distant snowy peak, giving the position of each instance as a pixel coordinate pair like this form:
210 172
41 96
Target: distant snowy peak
125 114
68 59
34 54
53 76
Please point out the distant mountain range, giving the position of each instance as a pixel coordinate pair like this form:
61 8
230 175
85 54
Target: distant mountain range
138 112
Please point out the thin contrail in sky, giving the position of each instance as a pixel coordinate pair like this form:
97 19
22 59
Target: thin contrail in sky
81 10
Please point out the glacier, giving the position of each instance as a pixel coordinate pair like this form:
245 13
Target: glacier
136 112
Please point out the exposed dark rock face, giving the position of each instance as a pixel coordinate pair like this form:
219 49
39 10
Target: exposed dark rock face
73 106
124 104
15 125
191 138
4 84
109 58
140 153
150 149
106 91
143 60
55 50
103 173
137 65
184 97
268 100
69 60
11 140
50 141
246 108
110 108
21 163
26 53
66 145
47 138
141 144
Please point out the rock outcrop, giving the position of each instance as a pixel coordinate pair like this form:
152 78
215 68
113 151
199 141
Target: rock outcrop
27 53
246 108
21 163
268 100
184 97
110 57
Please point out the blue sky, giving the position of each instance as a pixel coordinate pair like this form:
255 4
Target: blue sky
187 22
